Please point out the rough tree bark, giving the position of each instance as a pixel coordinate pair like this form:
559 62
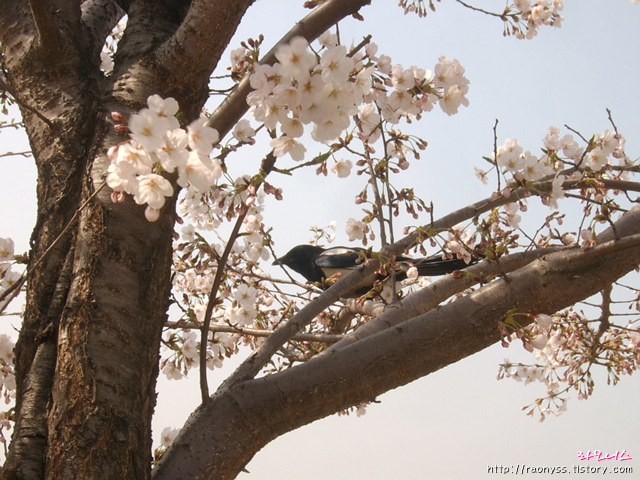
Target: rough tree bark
87 356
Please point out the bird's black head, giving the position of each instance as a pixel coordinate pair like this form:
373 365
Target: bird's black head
301 259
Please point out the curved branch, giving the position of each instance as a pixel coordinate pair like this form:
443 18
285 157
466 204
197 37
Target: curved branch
258 359
257 332
241 417
429 297
197 44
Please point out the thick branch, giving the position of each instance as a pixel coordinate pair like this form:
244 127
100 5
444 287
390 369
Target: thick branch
54 21
252 365
257 332
245 416
429 297
195 48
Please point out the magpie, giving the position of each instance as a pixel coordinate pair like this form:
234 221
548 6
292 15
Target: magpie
316 264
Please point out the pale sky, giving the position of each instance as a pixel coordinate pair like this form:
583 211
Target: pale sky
459 421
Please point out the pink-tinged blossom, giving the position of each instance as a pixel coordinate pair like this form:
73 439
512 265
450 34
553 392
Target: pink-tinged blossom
6 349
384 64
147 128
202 138
6 249
340 97
283 145
328 39
172 372
588 237
544 321
596 159
129 163
481 175
165 108
335 64
355 230
539 341
243 132
363 84
533 167
412 273
557 191
292 127
237 55
461 240
448 73
453 97
238 315
310 90
265 78
295 57
286 96
330 128
370 122
168 435
257 251
401 78
173 152
342 168
139 158
152 190
509 155
195 172
245 296
567 145
151 214
511 211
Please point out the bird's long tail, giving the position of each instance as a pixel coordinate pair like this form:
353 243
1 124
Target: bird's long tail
436 265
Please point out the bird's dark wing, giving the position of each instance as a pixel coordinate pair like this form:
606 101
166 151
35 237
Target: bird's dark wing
339 257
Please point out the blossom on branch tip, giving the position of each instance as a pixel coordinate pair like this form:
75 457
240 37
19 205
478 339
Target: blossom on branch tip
243 132
283 145
342 168
355 230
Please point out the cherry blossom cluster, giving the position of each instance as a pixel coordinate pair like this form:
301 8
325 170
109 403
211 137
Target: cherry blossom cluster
7 378
566 347
159 145
325 90
563 160
181 352
8 276
7 384
522 18
536 14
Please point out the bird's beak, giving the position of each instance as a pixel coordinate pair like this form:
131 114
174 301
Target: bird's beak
277 261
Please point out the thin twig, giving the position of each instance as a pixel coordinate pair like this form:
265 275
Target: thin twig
257 332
